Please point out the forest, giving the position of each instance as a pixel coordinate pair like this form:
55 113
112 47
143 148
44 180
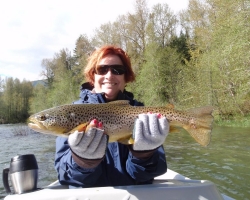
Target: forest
199 56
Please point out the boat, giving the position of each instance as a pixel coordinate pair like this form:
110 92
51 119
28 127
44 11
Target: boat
169 186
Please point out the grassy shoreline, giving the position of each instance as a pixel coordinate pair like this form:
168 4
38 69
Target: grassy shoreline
237 122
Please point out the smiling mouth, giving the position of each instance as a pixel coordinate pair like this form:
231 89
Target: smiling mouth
112 84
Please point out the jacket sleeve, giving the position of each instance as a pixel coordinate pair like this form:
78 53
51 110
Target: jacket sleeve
69 172
143 170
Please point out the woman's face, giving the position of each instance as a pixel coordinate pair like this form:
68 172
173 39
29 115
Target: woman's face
109 83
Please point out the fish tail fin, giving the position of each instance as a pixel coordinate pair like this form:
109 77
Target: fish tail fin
200 127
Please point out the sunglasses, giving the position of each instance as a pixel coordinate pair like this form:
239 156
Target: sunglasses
115 69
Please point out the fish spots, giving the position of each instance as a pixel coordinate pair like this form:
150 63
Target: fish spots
51 121
118 119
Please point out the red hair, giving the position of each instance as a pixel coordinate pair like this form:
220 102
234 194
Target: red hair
98 54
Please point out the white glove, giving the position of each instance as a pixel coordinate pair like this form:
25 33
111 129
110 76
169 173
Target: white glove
150 131
91 144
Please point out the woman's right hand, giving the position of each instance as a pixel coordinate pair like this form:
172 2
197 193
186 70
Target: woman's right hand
90 144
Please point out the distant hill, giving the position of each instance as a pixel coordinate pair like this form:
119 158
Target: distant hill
37 82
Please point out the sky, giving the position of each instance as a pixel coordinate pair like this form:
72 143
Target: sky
35 30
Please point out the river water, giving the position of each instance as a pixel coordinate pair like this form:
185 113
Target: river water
226 161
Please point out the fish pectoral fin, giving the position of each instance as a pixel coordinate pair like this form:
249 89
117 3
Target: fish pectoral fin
173 129
80 128
126 141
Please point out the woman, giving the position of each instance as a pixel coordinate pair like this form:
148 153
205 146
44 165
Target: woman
87 159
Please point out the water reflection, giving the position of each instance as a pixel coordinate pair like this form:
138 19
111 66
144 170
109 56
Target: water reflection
225 161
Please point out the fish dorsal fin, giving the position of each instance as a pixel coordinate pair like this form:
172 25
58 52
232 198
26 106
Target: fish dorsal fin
170 106
120 102
206 110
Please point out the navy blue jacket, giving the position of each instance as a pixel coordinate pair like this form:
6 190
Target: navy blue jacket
118 167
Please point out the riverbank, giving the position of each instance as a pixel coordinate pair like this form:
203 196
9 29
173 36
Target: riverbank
236 122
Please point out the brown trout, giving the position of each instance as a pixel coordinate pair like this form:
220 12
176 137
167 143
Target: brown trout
118 119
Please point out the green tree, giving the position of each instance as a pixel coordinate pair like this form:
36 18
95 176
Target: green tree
107 34
39 100
15 98
82 51
2 103
1 84
27 92
8 98
49 70
65 90
157 81
229 55
64 87
219 54
162 25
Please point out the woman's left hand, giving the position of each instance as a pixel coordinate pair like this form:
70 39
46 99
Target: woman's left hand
150 131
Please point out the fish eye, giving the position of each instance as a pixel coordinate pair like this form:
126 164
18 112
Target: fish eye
41 117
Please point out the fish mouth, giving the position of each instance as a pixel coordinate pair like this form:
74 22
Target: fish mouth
41 129
36 127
